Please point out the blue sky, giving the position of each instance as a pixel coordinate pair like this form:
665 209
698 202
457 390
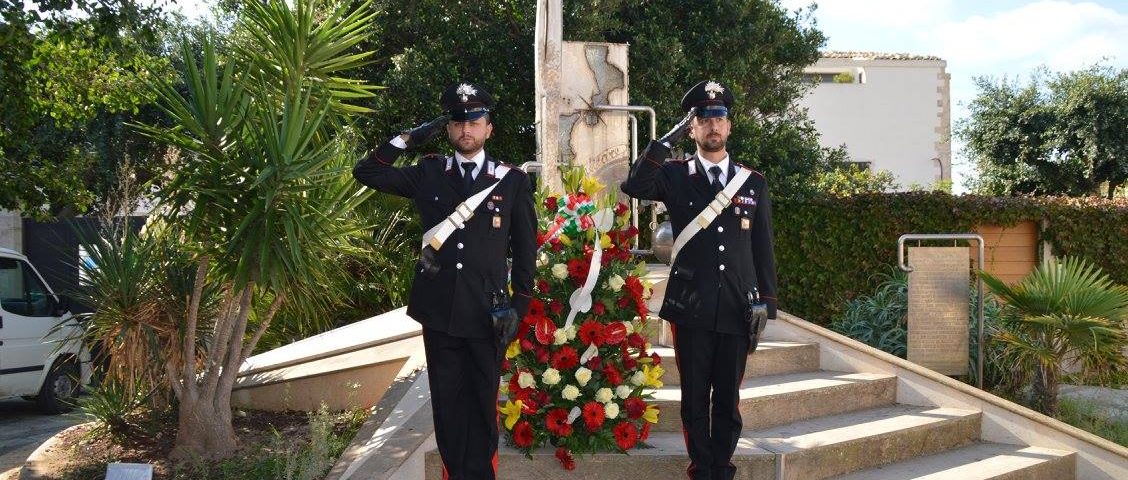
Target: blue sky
994 38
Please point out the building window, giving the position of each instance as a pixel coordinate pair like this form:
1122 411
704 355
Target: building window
829 77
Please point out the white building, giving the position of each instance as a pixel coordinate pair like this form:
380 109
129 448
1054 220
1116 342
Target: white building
891 111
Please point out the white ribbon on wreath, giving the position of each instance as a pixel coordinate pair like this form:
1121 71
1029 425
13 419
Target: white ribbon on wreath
580 301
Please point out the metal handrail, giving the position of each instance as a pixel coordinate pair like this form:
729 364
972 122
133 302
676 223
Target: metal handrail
978 286
631 109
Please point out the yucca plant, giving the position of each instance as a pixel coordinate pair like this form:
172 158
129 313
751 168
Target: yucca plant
1063 310
878 320
262 198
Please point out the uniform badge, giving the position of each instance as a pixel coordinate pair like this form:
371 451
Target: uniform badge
465 91
497 197
736 210
712 89
745 224
489 205
497 221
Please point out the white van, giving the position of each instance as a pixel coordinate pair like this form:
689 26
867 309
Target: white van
40 356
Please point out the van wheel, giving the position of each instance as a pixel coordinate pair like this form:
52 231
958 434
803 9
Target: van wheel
57 395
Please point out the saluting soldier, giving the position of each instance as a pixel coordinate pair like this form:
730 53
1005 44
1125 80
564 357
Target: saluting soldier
484 209
718 275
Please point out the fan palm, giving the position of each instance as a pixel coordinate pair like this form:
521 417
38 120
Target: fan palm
1067 310
262 197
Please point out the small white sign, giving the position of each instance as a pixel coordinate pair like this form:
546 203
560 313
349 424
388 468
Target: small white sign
129 471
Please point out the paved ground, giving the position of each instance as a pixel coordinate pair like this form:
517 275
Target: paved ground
22 429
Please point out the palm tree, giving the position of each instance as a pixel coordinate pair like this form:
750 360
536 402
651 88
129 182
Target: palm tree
261 199
1067 310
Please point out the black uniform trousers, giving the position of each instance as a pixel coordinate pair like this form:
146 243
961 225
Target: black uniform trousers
463 374
710 364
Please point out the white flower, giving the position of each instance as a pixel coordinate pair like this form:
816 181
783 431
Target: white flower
551 376
603 395
623 391
611 410
583 375
526 380
570 392
629 326
616 283
638 378
560 271
571 331
559 337
542 259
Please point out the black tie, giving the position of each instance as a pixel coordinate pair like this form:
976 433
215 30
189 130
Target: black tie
468 176
716 171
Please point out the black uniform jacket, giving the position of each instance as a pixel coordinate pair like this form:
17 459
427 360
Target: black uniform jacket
713 274
473 259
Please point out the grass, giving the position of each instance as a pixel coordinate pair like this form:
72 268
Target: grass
1088 417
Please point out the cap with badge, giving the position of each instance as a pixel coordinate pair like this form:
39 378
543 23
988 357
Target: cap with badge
710 97
465 101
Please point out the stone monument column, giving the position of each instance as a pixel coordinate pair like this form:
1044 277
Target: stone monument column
548 51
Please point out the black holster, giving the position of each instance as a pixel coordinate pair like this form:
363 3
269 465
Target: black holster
504 318
757 318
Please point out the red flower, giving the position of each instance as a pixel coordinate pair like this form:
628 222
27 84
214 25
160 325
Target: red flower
594 364
591 333
526 344
612 374
536 308
542 287
555 307
593 415
655 358
635 340
506 365
565 458
578 270
640 306
645 431
566 358
634 286
550 204
620 208
614 333
523 434
542 354
556 422
556 245
598 308
626 435
635 407
545 330
630 363
625 300
630 232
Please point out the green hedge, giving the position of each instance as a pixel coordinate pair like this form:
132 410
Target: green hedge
829 249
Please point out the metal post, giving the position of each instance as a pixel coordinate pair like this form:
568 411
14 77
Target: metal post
978 284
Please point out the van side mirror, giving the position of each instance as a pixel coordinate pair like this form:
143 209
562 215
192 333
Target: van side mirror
62 305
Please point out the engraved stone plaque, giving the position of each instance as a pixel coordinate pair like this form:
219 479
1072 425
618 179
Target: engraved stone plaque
938 308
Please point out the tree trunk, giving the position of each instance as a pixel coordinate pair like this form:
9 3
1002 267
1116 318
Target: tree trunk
205 429
1046 390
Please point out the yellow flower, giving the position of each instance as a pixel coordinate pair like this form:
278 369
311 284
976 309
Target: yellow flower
653 375
565 240
513 349
605 241
512 412
591 186
651 414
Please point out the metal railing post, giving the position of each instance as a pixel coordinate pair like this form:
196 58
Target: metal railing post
978 284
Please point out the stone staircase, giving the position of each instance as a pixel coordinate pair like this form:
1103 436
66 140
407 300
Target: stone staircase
802 422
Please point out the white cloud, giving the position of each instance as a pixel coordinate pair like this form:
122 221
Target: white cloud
1062 35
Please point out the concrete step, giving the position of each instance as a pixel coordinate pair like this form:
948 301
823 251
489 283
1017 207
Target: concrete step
840 444
771 358
980 461
666 459
778 399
